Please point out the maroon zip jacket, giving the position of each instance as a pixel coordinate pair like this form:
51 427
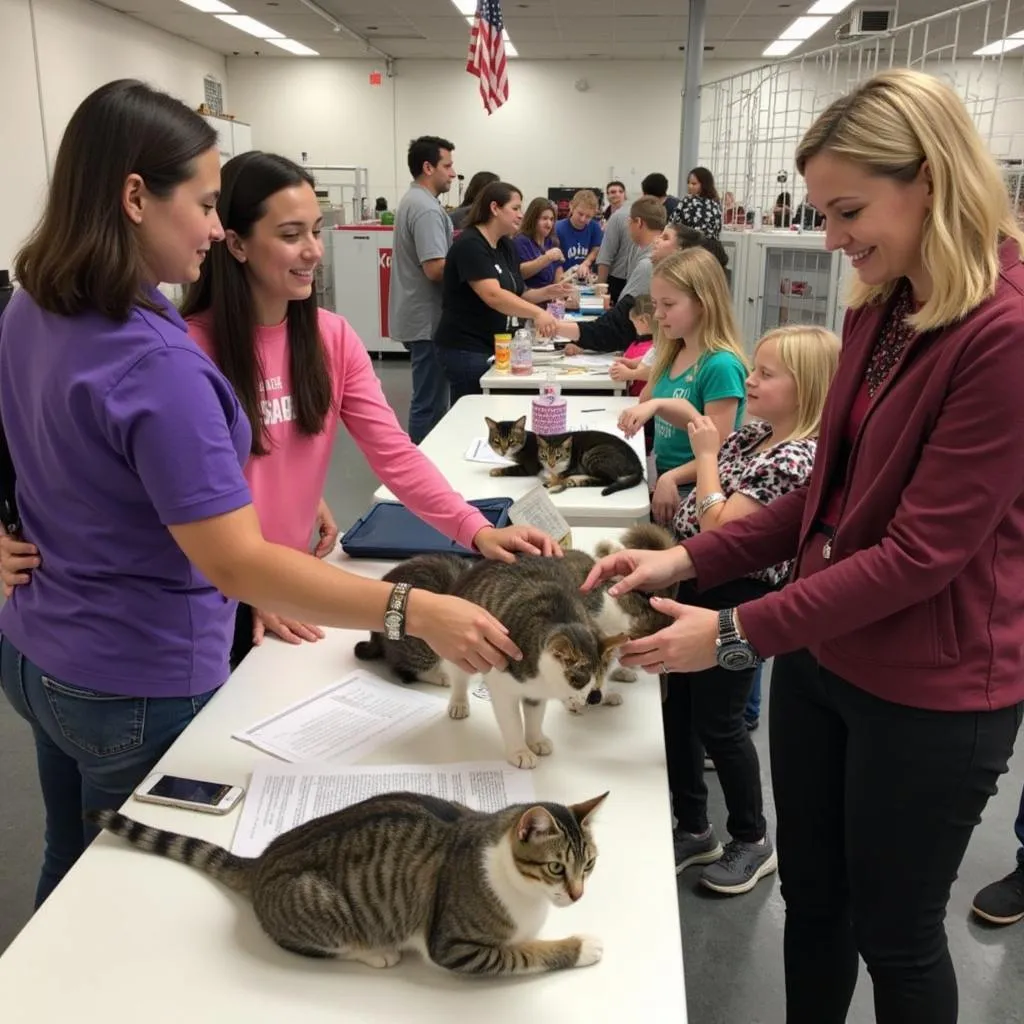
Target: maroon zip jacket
922 603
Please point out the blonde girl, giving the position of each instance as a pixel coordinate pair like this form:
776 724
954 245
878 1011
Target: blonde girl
705 711
699 369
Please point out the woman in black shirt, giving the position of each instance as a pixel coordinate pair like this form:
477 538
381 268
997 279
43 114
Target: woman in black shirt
482 290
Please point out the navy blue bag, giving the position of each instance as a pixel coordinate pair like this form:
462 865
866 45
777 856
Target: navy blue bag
389 531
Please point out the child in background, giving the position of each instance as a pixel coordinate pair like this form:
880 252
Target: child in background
579 235
699 370
631 365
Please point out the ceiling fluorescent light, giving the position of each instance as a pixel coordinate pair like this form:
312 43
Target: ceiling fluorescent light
465 6
250 25
209 6
829 7
299 49
781 47
1014 42
803 28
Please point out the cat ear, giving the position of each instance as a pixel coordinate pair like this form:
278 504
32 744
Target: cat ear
520 423
536 824
561 647
582 812
492 425
609 643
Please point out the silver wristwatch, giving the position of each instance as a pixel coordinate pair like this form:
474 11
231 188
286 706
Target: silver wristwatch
394 617
734 653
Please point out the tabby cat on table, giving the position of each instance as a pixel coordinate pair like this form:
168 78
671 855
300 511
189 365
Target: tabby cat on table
468 890
567 638
581 458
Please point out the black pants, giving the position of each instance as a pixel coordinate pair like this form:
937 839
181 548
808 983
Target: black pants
615 286
704 711
242 643
876 803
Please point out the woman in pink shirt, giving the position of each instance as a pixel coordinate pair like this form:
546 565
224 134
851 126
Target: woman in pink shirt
294 368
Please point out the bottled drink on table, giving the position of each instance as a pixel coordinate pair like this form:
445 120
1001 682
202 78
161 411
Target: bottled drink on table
522 352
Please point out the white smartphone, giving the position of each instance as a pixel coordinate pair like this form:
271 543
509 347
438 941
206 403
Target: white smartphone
190 794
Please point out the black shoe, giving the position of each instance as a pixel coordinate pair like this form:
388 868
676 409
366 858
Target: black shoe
751 723
741 867
1002 902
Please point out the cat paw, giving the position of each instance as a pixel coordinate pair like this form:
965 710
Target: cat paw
542 746
613 700
498 472
623 675
575 705
523 758
379 958
556 488
591 950
458 709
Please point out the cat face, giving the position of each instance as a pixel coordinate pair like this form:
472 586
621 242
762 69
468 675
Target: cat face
581 657
506 437
553 848
555 456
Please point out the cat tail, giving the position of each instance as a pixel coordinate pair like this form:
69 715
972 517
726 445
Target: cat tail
370 650
648 537
623 483
606 547
234 872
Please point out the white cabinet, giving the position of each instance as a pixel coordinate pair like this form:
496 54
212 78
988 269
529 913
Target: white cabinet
789 278
360 264
233 137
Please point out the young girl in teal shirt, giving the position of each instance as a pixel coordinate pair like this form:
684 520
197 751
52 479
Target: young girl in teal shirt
699 370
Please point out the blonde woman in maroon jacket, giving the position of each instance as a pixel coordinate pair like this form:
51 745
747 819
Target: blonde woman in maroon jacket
899 672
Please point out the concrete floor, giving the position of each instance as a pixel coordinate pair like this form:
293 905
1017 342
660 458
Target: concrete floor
732 947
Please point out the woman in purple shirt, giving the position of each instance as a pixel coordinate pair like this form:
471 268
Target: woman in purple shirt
540 259
128 445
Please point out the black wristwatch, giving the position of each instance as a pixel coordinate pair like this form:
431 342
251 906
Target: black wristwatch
394 617
734 653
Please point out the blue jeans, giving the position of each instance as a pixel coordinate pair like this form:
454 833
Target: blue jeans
463 370
429 389
92 750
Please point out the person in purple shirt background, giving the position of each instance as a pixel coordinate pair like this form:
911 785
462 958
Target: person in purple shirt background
540 258
128 444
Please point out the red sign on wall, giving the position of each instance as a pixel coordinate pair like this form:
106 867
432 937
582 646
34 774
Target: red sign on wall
384 275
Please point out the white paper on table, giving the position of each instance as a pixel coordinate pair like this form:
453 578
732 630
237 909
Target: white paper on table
481 451
596 362
345 722
282 797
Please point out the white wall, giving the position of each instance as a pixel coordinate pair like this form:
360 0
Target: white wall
625 125
80 46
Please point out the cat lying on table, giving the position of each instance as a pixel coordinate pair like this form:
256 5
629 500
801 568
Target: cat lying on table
581 458
401 871
567 637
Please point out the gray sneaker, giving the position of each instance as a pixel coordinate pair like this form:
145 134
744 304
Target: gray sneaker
692 849
740 867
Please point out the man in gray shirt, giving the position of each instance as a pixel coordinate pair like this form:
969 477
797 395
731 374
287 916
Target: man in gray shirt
423 236
618 254
645 224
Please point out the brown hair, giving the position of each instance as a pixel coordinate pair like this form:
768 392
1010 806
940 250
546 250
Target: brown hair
706 180
651 212
587 198
533 213
84 252
500 192
224 294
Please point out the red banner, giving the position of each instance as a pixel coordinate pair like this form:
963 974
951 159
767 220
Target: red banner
384 272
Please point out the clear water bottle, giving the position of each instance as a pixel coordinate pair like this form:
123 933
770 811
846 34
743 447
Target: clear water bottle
522 352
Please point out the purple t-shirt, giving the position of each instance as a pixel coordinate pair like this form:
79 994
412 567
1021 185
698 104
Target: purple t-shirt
117 431
527 249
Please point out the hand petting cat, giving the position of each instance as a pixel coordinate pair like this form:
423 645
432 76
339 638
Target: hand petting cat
688 645
504 544
640 569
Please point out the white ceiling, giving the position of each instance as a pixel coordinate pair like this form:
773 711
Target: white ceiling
542 29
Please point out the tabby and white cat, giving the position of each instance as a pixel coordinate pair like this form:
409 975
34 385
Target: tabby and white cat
565 654
401 871
511 439
588 458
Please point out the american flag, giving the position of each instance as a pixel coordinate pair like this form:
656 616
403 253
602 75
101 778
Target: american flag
487 54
